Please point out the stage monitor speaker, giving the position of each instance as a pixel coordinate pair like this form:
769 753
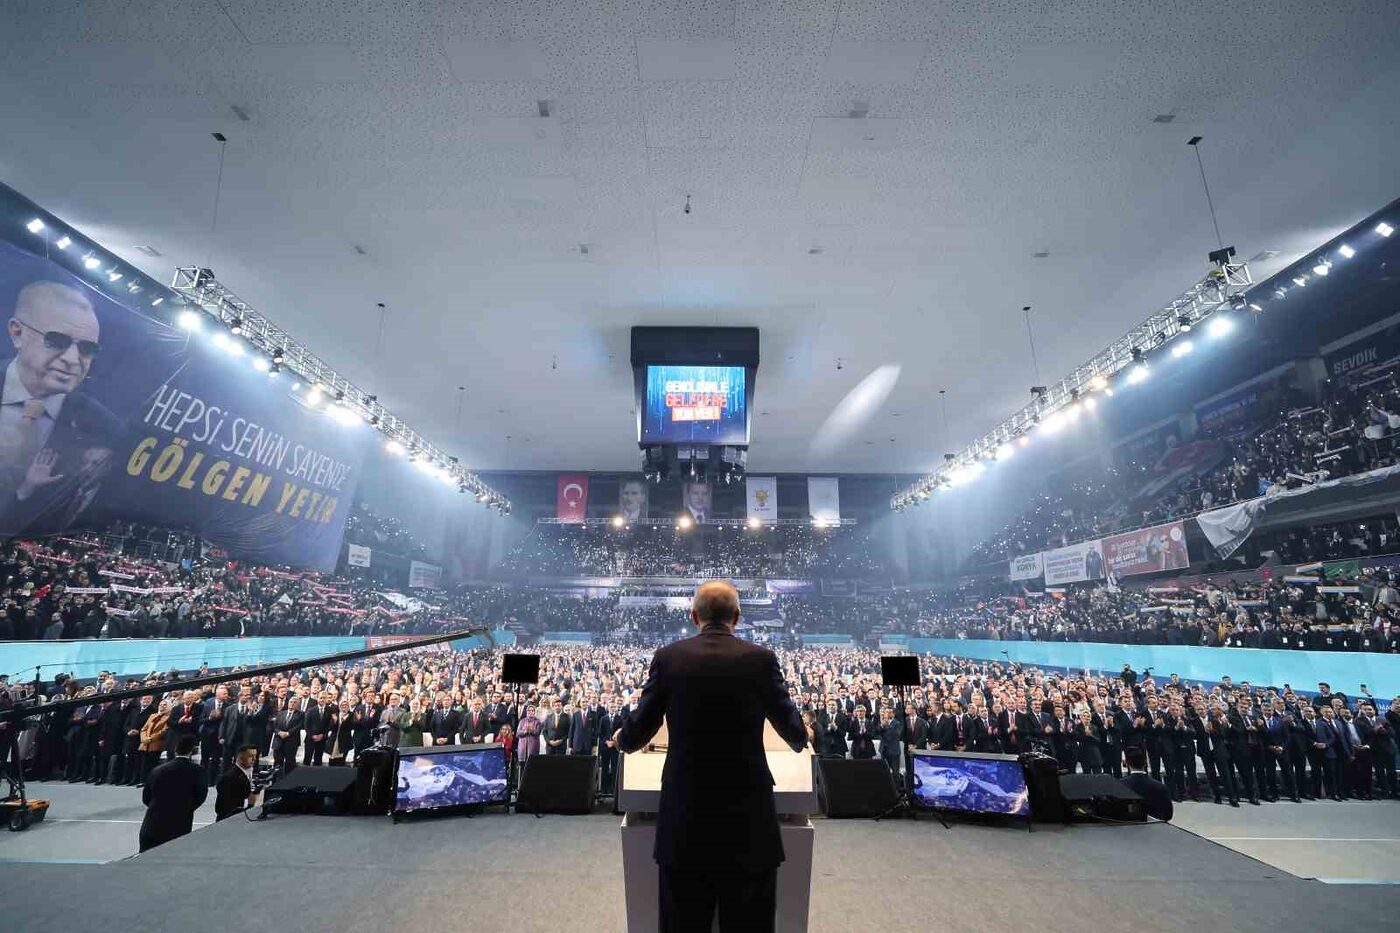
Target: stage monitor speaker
520 669
314 790
1090 797
900 670
1043 784
374 781
855 787
557 784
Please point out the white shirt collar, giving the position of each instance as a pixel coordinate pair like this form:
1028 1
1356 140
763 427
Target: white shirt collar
14 392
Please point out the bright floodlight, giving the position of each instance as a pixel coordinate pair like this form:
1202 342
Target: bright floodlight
1346 251
684 522
755 524
1181 348
618 521
1220 326
1384 229
1301 281
1091 403
261 364
1054 423
91 262
394 447
342 414
63 242
235 347
1099 383
1006 452
35 225
313 398
1024 440
1322 268
1137 374
113 275
221 340
189 320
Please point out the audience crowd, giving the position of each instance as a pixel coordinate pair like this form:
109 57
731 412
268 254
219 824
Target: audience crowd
1221 741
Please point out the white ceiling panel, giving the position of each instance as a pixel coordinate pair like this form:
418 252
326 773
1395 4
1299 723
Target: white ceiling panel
412 129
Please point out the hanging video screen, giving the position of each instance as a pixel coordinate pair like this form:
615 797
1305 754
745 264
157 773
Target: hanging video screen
695 404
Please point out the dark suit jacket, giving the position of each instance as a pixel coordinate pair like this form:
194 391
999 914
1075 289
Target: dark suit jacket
715 691
178 728
231 793
172 793
443 724
583 732
1154 794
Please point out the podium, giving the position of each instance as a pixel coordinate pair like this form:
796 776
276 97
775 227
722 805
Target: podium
794 797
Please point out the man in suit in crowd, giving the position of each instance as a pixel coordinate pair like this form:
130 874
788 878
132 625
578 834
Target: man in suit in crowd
609 722
1376 733
315 721
501 713
286 736
861 735
1157 800
1327 739
1279 752
915 729
444 722
556 731
891 734
56 441
173 792
943 730
1356 771
362 732
477 725
211 749
583 731
982 733
717 840
234 790
185 719
1027 727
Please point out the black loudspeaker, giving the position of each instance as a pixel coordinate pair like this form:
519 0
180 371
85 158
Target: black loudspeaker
900 670
314 790
1091 797
1043 784
557 784
855 787
520 669
374 781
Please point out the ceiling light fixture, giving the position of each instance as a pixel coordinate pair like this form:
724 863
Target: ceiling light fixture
1384 229
35 226
1346 251
63 242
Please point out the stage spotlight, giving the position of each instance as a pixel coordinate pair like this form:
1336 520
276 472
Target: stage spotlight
35 225
1182 347
261 364
1054 423
1183 324
235 326
277 356
133 288
220 340
63 242
618 521
1024 440
157 303
235 348
1384 229
189 320
684 522
113 275
1322 268
1098 383
755 524
313 397
1091 403
1346 251
91 262
342 415
393 447
1006 452
1138 371
1301 281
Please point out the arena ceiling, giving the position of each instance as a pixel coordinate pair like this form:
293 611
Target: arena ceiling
870 184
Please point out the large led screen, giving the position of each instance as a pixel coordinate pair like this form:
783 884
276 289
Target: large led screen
695 404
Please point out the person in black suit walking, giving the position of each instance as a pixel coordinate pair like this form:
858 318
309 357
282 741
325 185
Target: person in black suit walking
1157 800
718 844
172 793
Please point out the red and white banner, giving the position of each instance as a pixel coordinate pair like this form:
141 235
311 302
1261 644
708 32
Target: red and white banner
572 501
1147 550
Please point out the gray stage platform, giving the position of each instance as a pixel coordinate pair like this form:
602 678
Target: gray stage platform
519 873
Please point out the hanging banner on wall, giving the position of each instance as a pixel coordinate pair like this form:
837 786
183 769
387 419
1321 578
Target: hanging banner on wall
1147 550
357 555
107 412
1027 566
824 498
423 575
763 497
572 497
633 499
1074 564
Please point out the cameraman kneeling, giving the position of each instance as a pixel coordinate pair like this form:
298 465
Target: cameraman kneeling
234 792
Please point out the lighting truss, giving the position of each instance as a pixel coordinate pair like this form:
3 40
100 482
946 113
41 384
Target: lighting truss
1221 288
200 288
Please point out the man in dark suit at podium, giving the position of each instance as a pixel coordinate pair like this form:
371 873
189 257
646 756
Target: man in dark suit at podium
717 840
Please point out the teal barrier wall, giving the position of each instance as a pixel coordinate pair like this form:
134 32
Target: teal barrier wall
582 638
138 656
133 656
504 639
1346 671
836 639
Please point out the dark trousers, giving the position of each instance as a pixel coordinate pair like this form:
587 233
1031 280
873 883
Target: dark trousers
689 898
1282 761
1328 773
1243 764
1385 773
1225 776
285 757
1157 756
314 752
211 755
1299 760
1113 760
1357 774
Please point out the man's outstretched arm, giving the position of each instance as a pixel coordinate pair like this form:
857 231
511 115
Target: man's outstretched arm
780 710
646 719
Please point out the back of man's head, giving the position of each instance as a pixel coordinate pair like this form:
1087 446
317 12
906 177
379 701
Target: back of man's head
1136 758
186 744
715 601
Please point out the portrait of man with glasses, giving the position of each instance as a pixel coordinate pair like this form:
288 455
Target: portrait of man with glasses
56 442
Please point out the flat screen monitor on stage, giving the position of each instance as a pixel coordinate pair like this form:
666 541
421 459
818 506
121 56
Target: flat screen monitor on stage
971 783
450 776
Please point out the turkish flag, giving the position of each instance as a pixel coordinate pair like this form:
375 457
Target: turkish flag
572 501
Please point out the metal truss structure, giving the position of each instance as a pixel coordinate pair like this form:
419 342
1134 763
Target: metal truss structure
709 522
201 289
1219 292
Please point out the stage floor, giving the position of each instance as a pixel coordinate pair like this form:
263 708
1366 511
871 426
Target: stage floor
558 873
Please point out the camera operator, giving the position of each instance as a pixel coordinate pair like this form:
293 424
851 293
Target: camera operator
236 788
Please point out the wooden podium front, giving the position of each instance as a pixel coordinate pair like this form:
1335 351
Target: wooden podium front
794 797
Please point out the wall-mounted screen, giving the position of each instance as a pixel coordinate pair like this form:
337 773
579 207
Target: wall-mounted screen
695 404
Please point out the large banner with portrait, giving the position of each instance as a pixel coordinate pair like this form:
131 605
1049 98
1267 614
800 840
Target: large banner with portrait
107 410
633 499
1074 564
1147 550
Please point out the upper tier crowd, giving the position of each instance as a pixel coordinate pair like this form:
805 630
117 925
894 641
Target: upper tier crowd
1351 430
1225 740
